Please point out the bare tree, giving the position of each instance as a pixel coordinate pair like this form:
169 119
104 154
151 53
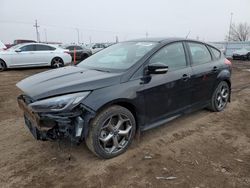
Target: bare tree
240 32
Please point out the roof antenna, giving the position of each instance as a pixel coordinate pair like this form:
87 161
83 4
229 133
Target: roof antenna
188 34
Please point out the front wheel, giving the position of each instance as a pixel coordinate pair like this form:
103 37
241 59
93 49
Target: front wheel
220 97
57 62
111 132
3 66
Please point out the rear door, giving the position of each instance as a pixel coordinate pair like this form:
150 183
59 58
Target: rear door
205 70
44 54
167 94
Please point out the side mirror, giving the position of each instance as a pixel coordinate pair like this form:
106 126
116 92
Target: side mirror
157 68
18 50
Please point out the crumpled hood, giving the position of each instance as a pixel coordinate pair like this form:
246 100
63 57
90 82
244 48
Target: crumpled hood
66 80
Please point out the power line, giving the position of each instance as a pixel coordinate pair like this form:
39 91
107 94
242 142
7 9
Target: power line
71 27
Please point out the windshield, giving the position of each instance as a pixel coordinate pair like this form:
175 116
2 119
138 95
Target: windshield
247 48
120 56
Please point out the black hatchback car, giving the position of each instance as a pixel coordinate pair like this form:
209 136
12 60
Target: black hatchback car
126 88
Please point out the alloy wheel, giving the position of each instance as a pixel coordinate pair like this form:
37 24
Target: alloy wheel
57 62
115 133
222 96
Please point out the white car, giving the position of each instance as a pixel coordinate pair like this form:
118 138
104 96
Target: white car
2 46
34 55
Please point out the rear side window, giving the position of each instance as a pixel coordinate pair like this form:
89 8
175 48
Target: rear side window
44 48
70 48
199 53
28 48
215 52
172 55
78 48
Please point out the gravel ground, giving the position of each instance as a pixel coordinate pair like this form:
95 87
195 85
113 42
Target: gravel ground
202 149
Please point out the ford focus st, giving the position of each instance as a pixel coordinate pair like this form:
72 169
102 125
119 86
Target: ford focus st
126 88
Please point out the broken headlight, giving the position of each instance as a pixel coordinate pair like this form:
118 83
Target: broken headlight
59 103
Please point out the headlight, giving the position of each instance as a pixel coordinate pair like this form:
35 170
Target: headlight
59 103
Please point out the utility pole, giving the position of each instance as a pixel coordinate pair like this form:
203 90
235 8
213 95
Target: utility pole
78 35
230 27
90 40
37 32
45 33
146 35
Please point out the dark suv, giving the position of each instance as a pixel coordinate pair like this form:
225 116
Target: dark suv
81 53
126 88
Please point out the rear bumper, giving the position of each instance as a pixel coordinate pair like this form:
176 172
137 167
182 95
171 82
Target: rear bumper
53 126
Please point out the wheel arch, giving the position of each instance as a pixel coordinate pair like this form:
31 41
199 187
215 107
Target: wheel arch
56 57
126 104
224 76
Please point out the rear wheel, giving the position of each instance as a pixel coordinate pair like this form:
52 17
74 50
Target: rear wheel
220 97
3 66
111 132
57 62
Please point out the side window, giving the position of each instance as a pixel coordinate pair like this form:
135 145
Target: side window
199 53
70 47
216 52
28 48
172 55
78 48
44 48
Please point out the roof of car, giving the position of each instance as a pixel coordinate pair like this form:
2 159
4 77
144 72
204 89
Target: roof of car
163 40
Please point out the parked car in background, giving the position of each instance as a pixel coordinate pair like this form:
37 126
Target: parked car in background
221 47
33 55
96 47
2 46
81 52
242 54
109 44
21 41
128 87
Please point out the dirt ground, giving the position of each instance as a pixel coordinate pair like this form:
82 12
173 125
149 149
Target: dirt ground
203 149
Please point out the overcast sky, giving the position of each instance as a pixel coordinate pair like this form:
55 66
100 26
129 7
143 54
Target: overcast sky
102 20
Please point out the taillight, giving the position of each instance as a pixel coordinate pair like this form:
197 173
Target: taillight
227 62
67 52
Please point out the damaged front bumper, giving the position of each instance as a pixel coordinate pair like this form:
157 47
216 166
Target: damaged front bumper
52 126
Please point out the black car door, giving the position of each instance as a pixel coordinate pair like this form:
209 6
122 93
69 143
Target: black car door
166 94
205 71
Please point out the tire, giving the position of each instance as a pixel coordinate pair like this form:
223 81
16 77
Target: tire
249 57
220 97
57 62
111 132
3 66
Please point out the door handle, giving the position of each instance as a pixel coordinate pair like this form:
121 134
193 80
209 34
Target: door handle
185 77
215 69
